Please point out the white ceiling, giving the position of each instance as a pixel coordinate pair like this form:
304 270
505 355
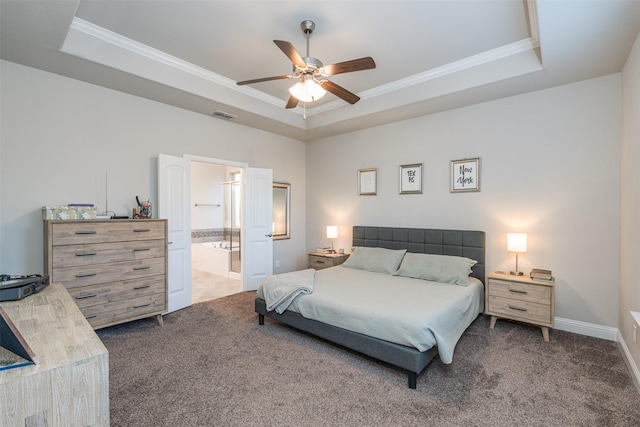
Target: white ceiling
430 55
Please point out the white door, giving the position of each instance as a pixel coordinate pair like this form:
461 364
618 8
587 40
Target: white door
257 249
174 204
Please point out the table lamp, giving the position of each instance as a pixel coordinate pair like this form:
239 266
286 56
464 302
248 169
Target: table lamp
516 242
332 233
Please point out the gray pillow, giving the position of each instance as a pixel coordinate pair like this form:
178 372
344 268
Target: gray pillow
377 260
438 268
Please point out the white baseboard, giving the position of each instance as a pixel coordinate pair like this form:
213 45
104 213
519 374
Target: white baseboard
588 329
635 372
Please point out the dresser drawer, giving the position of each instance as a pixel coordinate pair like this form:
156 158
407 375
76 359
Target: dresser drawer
520 291
100 316
102 294
102 253
520 310
86 275
73 233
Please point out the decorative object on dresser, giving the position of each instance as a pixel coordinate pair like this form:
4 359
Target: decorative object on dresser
516 242
465 175
320 260
69 384
115 270
520 298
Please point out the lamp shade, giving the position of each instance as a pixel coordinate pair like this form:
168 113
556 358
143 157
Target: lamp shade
516 242
332 231
307 90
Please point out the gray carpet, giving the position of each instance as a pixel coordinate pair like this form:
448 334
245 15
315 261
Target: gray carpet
213 365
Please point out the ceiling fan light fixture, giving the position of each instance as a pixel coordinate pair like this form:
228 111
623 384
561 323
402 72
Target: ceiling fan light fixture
307 90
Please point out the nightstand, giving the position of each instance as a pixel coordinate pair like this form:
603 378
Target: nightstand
319 260
520 298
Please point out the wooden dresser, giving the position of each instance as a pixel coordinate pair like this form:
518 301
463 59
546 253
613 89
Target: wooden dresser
115 270
520 298
70 384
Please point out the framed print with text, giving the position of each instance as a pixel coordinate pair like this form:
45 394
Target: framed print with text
367 182
411 179
465 175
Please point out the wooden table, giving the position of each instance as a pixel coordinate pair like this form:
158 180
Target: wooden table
70 384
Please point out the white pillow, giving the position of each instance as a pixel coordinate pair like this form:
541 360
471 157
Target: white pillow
377 260
438 268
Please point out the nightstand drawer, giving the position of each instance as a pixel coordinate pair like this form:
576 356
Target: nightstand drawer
316 261
520 310
520 291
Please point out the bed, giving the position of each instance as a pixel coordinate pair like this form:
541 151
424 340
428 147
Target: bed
350 304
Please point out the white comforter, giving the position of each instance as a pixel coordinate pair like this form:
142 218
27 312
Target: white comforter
411 312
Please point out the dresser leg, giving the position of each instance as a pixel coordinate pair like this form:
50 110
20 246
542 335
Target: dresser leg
545 334
159 319
493 322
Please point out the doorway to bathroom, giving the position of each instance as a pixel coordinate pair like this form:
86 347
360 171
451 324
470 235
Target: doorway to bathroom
216 218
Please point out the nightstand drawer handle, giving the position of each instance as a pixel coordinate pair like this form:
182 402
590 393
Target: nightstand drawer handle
319 262
512 307
86 275
515 291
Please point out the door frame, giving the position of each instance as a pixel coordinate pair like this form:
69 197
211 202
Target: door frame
241 165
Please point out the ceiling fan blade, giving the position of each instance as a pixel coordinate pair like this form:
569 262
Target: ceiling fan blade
264 79
291 53
292 102
339 91
360 64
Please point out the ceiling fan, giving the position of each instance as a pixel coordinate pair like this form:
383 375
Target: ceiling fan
312 84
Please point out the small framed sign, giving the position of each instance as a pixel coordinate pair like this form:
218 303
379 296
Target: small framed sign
367 182
465 175
411 179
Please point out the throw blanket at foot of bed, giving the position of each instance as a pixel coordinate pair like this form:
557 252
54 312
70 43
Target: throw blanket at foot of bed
281 289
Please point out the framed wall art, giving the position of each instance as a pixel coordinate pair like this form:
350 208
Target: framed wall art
411 179
465 175
367 182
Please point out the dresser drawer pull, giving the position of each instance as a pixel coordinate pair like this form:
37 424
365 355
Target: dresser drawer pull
86 275
91 317
141 287
86 232
515 291
513 307
141 230
141 249
141 306
86 253
141 268
86 296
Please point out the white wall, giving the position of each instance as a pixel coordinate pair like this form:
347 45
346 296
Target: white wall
58 137
549 167
630 208
206 179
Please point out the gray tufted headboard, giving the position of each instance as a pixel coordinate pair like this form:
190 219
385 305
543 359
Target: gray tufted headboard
469 244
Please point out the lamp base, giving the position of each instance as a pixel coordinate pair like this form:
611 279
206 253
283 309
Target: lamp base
516 273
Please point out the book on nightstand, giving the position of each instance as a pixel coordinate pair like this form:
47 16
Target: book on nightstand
542 275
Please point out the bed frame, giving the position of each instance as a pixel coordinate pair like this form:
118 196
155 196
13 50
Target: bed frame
470 244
